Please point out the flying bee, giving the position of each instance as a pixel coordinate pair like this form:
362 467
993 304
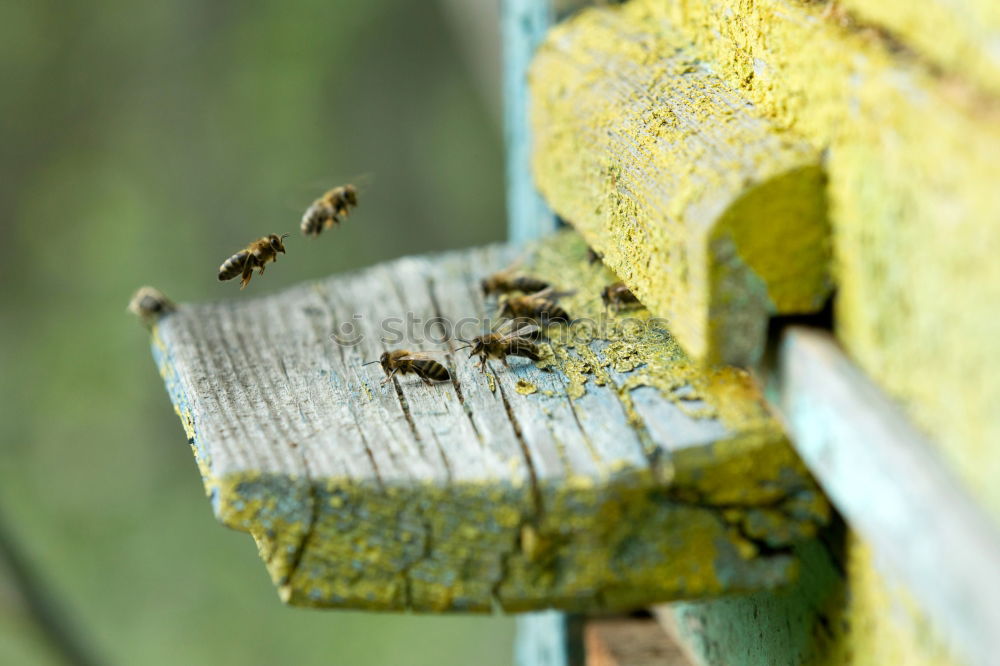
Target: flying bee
326 211
499 344
507 280
617 295
540 306
254 255
403 361
150 304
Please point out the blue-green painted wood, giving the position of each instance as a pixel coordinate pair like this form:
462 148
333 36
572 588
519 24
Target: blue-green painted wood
891 486
523 25
543 639
549 638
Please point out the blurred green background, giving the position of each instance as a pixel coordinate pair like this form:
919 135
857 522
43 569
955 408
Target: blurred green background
143 143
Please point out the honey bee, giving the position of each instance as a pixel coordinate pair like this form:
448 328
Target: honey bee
254 255
326 211
540 306
617 296
514 342
403 361
506 280
150 304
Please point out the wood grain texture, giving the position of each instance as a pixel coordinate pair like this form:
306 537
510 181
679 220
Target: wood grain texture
885 478
912 167
538 486
713 216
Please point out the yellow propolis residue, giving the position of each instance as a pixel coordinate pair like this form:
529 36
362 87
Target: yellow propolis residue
879 622
844 611
524 387
746 468
961 38
713 230
913 173
467 546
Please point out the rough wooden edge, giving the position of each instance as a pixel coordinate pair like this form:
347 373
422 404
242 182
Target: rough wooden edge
712 215
884 477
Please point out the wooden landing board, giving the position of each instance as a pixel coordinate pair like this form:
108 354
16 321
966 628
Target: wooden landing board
710 213
609 475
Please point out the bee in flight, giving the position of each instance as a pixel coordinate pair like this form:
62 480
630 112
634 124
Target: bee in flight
507 280
617 295
254 255
326 211
150 304
509 340
403 361
540 306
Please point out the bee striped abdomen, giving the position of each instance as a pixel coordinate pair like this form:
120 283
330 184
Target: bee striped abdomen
522 347
529 284
233 266
549 311
318 217
431 370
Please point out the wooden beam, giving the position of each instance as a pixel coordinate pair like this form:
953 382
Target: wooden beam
962 38
713 216
845 608
911 157
523 24
885 478
624 641
611 475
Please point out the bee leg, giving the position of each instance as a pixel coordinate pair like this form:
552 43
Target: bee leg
505 363
388 378
247 274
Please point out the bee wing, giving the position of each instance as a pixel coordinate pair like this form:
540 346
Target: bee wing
520 332
550 293
418 356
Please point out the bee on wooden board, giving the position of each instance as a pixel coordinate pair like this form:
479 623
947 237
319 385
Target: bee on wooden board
507 280
254 255
403 361
150 304
509 340
327 211
540 306
617 296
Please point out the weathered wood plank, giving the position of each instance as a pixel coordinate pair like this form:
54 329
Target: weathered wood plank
842 610
538 486
885 478
911 159
962 38
523 24
710 214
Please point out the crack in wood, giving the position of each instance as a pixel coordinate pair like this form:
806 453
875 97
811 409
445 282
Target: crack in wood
536 492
